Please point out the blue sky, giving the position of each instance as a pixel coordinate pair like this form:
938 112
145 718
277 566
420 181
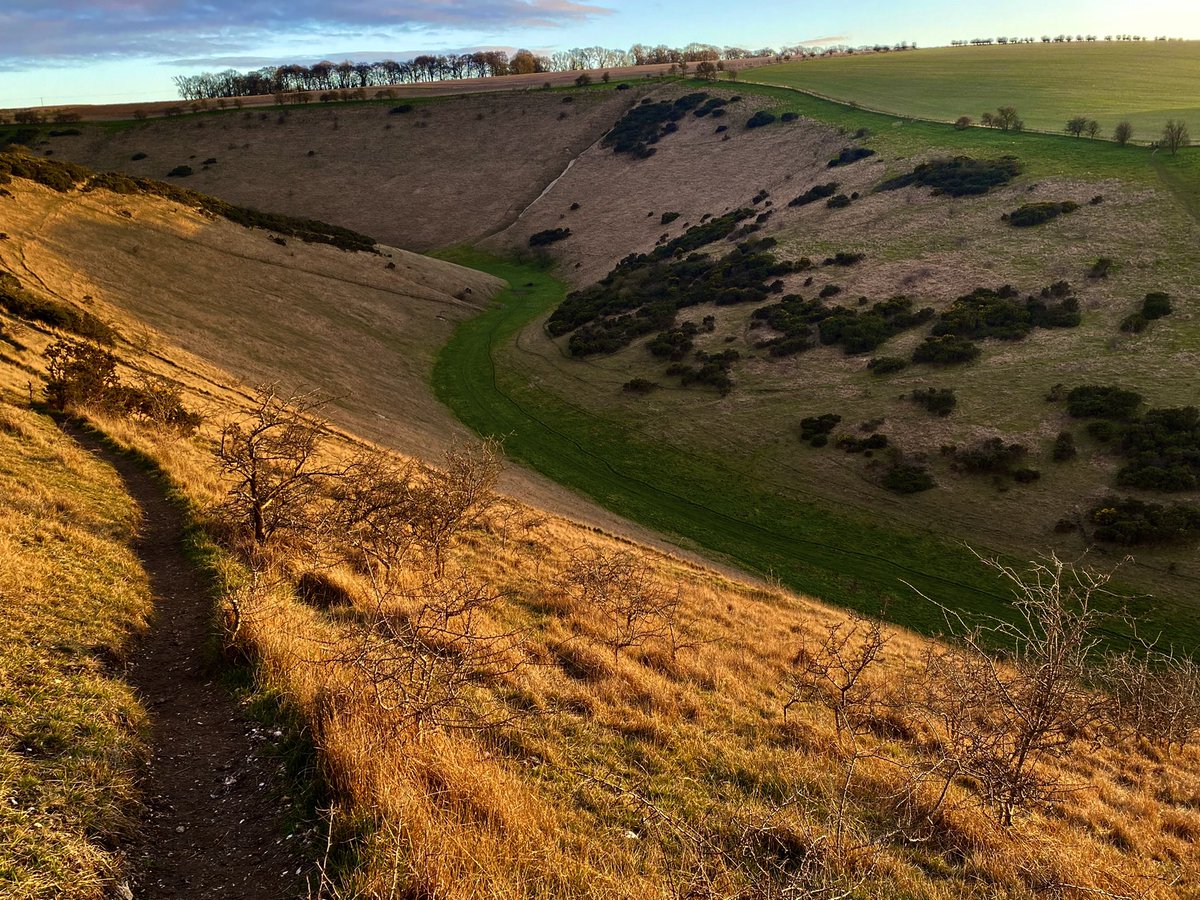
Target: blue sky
78 51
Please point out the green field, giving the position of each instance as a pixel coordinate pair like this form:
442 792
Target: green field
1144 83
709 503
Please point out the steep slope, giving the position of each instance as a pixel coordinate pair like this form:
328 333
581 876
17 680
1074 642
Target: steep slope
446 171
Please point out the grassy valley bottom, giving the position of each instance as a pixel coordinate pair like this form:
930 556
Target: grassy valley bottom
709 503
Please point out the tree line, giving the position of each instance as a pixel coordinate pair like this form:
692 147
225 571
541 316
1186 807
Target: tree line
347 75
1057 39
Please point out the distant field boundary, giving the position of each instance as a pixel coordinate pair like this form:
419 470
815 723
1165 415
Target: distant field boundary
854 104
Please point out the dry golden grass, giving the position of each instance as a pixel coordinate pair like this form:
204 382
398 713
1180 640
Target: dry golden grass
71 595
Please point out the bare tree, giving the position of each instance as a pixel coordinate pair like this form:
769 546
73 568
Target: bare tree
457 496
1092 128
272 456
1175 136
1076 125
634 604
1001 721
1123 133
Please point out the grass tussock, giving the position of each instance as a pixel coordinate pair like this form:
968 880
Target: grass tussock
72 593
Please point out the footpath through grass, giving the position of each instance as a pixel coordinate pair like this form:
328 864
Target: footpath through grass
708 503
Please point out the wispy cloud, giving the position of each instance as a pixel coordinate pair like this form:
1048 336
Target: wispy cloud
64 30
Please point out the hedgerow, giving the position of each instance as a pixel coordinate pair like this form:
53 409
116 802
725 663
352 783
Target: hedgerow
17 301
549 236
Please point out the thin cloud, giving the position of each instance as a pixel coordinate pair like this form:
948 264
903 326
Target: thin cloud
74 29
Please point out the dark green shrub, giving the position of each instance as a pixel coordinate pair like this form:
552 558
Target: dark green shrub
863 445
1104 431
401 109
1064 447
760 118
1131 522
66 132
180 172
830 290
139 156
1134 323
56 175
989 457
886 365
818 428
960 176
674 344
815 193
945 350
1100 268
1039 213
848 155
1156 305
639 386
986 313
1163 450
939 401
841 201
549 236
1026 476
842 258
669 217
789 117
1094 401
904 478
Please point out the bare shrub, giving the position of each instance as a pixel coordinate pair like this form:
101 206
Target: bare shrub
835 674
1000 722
455 497
635 606
272 456
424 654
1154 696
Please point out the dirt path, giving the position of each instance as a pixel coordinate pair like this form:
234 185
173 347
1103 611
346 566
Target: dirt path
213 820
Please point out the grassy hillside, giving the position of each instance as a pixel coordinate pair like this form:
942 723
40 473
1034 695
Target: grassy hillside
71 742
1142 83
488 726
415 178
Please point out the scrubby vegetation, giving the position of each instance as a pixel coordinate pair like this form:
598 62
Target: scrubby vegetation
1001 314
1132 522
908 478
644 293
1039 213
549 236
848 155
887 365
865 445
939 401
760 118
1064 447
83 375
946 350
17 301
989 457
856 332
1155 305
815 193
646 124
815 430
960 176
1090 401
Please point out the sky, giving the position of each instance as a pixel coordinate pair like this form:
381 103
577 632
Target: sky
111 51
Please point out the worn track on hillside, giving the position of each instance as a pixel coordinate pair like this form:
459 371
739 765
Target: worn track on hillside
212 824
